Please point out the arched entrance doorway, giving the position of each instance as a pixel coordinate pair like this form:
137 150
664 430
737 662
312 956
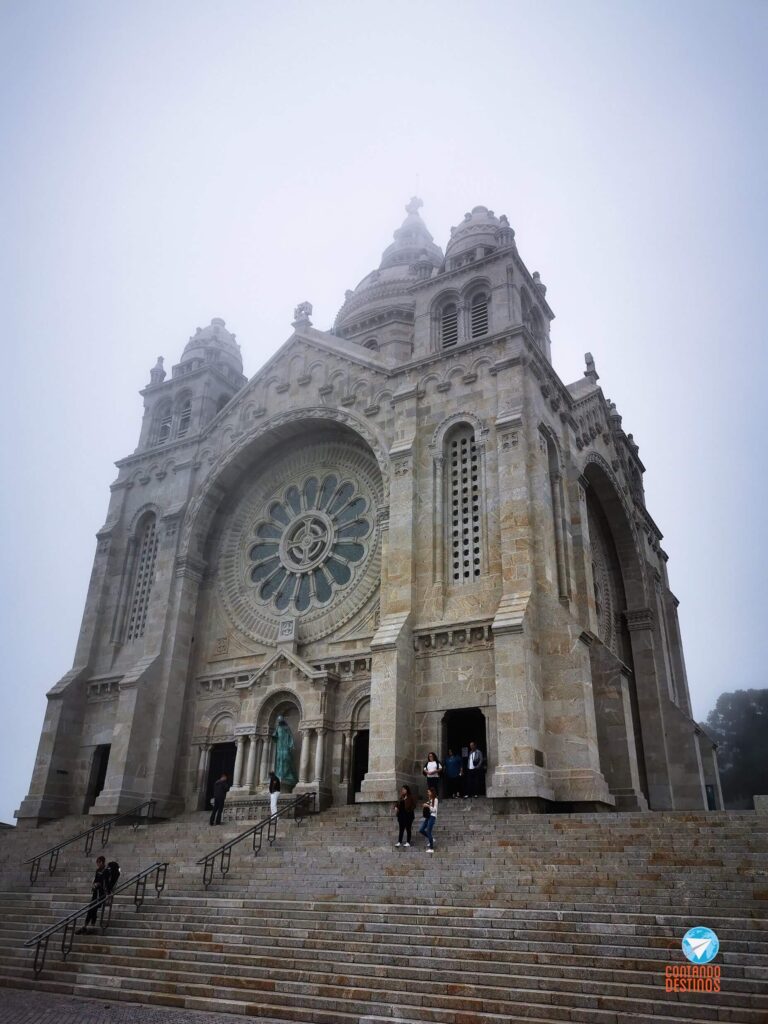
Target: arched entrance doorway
359 761
461 727
222 759
98 775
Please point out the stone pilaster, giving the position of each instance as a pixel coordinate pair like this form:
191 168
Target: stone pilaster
391 755
615 729
640 624
519 771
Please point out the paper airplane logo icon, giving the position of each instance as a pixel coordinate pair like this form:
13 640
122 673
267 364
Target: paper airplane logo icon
700 945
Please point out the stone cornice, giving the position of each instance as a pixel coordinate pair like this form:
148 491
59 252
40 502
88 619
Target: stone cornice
639 619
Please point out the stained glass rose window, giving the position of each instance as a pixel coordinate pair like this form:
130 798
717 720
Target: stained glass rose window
309 543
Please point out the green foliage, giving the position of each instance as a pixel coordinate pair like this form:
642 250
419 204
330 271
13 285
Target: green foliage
739 725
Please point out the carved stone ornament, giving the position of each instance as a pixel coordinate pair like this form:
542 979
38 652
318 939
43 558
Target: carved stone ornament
303 543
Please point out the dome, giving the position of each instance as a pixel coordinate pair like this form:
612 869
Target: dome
480 228
412 241
412 256
212 342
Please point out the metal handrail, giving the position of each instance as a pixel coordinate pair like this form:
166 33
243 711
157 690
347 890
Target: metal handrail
88 835
257 831
67 924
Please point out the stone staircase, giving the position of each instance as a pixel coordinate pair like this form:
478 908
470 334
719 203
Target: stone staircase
536 918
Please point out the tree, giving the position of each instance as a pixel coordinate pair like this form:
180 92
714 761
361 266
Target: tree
738 723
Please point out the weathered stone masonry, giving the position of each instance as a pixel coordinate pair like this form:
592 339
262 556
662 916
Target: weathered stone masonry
402 533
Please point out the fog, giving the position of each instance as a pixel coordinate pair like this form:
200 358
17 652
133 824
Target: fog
163 164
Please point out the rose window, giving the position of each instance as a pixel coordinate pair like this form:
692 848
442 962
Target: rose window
309 544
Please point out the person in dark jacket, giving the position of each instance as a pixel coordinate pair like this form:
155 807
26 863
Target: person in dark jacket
220 788
453 772
98 891
404 809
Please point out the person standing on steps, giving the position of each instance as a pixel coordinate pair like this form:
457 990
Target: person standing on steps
432 770
220 789
430 817
98 892
474 770
453 771
274 793
404 809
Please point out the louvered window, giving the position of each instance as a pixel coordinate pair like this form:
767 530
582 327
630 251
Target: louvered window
449 326
163 425
184 418
479 316
464 491
145 574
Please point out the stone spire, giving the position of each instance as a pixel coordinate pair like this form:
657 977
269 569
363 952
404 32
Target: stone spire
157 373
413 243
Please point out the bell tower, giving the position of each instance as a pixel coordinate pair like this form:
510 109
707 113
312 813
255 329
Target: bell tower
209 373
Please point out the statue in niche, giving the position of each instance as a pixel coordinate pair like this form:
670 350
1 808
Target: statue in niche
284 769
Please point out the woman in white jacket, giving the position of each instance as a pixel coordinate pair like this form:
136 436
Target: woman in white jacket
430 817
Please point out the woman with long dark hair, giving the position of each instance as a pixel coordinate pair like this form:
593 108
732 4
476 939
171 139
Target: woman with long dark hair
404 809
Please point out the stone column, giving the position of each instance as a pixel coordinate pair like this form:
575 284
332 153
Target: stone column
251 766
265 769
238 772
202 767
319 754
461 311
304 759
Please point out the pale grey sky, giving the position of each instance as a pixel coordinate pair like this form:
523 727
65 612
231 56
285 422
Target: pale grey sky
166 163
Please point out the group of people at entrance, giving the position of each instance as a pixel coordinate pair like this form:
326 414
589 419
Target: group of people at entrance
460 778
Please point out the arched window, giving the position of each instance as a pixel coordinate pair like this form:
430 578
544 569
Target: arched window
537 325
525 309
371 344
143 578
185 415
163 420
223 399
478 316
463 521
449 325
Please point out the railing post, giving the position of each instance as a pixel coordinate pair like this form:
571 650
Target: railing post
162 870
39 963
141 890
34 870
53 862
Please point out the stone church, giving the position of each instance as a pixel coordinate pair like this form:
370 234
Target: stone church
402 534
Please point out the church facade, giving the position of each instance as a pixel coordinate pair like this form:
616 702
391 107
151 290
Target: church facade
402 534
